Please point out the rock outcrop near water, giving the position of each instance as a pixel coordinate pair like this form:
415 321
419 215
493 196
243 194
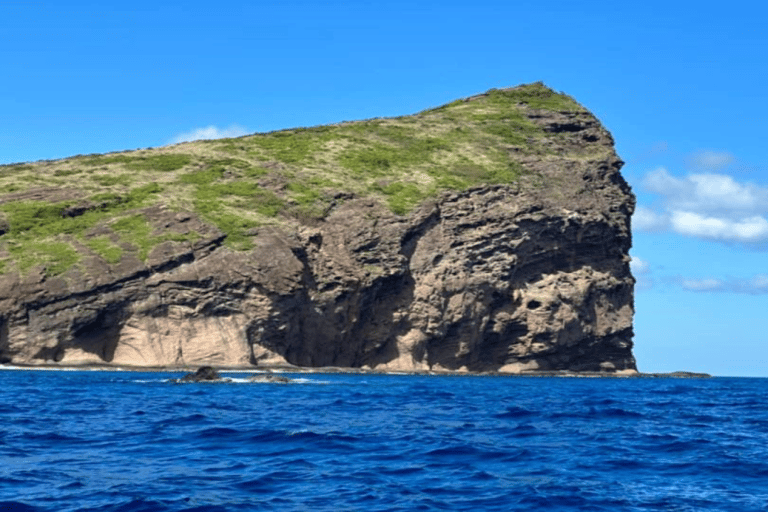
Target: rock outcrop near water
490 234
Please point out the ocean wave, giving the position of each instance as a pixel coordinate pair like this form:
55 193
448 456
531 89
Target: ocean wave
106 441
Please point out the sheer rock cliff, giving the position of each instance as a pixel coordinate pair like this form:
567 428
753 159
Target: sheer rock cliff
528 275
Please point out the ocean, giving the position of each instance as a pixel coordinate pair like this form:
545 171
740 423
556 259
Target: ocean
130 441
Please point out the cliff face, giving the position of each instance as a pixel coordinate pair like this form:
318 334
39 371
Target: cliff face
530 273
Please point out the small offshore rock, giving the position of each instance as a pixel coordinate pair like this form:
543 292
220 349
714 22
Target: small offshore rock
203 374
686 375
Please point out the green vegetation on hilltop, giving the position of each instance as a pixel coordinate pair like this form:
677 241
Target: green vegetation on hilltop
57 256
106 248
41 232
138 231
280 177
536 96
40 219
159 163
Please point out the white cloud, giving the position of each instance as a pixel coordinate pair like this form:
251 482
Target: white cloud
646 219
210 132
641 270
720 190
710 160
755 285
759 283
702 285
661 182
747 230
639 266
707 205
706 192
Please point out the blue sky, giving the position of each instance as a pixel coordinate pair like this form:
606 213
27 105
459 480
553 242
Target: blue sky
683 87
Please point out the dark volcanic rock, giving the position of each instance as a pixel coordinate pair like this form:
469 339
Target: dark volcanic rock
203 374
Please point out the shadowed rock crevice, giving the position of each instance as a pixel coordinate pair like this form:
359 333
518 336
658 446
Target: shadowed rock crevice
50 354
5 357
358 327
100 335
94 336
383 317
595 354
417 231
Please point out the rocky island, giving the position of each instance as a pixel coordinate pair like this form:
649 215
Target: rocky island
490 234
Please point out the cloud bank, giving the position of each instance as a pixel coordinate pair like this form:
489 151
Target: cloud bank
709 206
755 285
210 132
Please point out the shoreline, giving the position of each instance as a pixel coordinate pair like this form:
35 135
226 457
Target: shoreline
277 369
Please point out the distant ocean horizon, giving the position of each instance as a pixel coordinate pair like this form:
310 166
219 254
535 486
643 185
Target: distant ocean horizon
136 441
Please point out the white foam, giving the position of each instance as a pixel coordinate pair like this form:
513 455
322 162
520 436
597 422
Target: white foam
241 380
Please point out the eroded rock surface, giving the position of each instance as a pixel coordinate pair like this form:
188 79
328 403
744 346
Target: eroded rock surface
509 278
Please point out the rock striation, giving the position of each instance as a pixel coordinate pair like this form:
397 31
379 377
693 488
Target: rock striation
523 276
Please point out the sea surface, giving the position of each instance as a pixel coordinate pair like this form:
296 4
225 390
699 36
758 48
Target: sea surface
127 441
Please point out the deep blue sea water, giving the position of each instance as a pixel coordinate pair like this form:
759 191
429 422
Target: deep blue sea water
125 441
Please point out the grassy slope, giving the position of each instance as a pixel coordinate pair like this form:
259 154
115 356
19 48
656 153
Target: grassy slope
278 177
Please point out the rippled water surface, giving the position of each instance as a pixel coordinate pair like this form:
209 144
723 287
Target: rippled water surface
124 441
